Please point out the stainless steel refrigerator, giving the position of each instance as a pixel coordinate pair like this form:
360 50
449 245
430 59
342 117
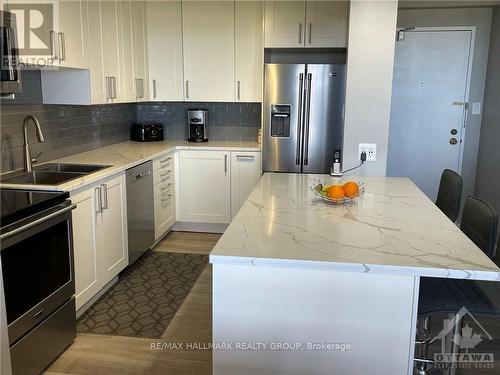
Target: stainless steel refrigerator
302 124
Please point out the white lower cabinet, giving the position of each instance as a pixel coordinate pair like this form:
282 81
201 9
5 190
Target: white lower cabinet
99 236
245 174
164 194
204 186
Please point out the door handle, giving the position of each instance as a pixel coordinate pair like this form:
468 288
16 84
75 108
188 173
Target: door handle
53 43
98 196
299 118
239 90
310 33
113 81
300 33
245 157
154 88
108 88
225 164
308 110
187 89
105 200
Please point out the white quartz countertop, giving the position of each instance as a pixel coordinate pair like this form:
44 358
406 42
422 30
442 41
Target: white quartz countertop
121 156
393 229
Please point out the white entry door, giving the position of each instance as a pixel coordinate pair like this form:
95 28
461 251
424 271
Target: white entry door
428 105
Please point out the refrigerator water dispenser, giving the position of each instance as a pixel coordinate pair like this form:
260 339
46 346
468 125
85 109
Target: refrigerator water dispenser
280 120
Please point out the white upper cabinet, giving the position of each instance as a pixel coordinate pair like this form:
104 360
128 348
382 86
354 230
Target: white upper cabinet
72 34
306 24
285 23
326 24
99 87
127 51
139 49
164 37
208 40
248 53
110 28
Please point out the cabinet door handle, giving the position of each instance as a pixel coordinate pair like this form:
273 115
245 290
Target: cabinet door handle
154 88
310 32
245 157
105 200
239 90
53 42
108 90
142 88
300 33
165 160
113 81
98 196
225 164
62 47
187 89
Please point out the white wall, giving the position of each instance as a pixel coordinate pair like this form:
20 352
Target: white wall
370 61
481 19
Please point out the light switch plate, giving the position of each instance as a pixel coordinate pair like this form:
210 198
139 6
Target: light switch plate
370 149
476 108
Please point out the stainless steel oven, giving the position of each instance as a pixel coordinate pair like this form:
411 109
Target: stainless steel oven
10 74
38 282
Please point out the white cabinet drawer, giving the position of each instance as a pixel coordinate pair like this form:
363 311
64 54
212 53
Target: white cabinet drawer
163 162
163 174
164 186
164 213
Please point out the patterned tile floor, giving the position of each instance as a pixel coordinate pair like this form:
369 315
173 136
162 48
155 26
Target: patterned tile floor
146 297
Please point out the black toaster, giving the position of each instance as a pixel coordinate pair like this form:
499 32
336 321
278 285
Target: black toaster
147 132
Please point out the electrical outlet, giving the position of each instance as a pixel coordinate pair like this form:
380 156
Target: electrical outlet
370 149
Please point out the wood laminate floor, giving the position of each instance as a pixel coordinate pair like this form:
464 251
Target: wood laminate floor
110 355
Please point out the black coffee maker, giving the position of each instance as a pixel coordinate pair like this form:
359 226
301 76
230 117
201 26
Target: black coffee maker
197 120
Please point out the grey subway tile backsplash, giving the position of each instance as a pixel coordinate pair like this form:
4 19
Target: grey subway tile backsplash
70 129
226 121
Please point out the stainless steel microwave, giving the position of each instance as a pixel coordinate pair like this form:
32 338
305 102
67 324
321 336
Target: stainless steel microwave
10 74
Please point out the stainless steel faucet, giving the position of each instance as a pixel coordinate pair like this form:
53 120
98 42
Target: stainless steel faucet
28 160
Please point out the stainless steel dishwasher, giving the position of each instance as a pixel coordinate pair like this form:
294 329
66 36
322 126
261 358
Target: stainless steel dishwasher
140 210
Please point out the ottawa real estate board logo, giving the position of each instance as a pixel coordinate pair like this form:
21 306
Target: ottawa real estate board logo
36 32
461 339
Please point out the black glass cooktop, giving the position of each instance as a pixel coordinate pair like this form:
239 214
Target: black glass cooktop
20 204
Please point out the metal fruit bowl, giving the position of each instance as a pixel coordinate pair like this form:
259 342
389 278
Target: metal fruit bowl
320 193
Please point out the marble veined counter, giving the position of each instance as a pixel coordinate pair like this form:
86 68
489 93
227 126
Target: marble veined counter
124 155
392 229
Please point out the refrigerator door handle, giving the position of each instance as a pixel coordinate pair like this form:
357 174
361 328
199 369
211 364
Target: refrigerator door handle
306 120
299 118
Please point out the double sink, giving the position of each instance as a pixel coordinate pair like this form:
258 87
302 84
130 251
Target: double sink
51 174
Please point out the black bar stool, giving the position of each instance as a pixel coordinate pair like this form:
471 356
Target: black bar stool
479 223
450 194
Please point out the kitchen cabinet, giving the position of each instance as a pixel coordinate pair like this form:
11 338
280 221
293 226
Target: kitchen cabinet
204 186
110 50
99 236
312 24
111 227
105 39
164 38
248 53
208 41
139 48
133 51
164 194
87 283
284 23
72 34
326 24
245 174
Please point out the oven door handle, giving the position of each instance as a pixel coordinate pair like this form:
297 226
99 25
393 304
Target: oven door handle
37 222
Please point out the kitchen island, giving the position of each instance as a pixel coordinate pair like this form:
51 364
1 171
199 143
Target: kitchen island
327 289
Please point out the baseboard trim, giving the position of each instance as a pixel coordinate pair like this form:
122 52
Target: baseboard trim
183 226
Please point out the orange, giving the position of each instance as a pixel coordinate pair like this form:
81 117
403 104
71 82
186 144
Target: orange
351 189
336 192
